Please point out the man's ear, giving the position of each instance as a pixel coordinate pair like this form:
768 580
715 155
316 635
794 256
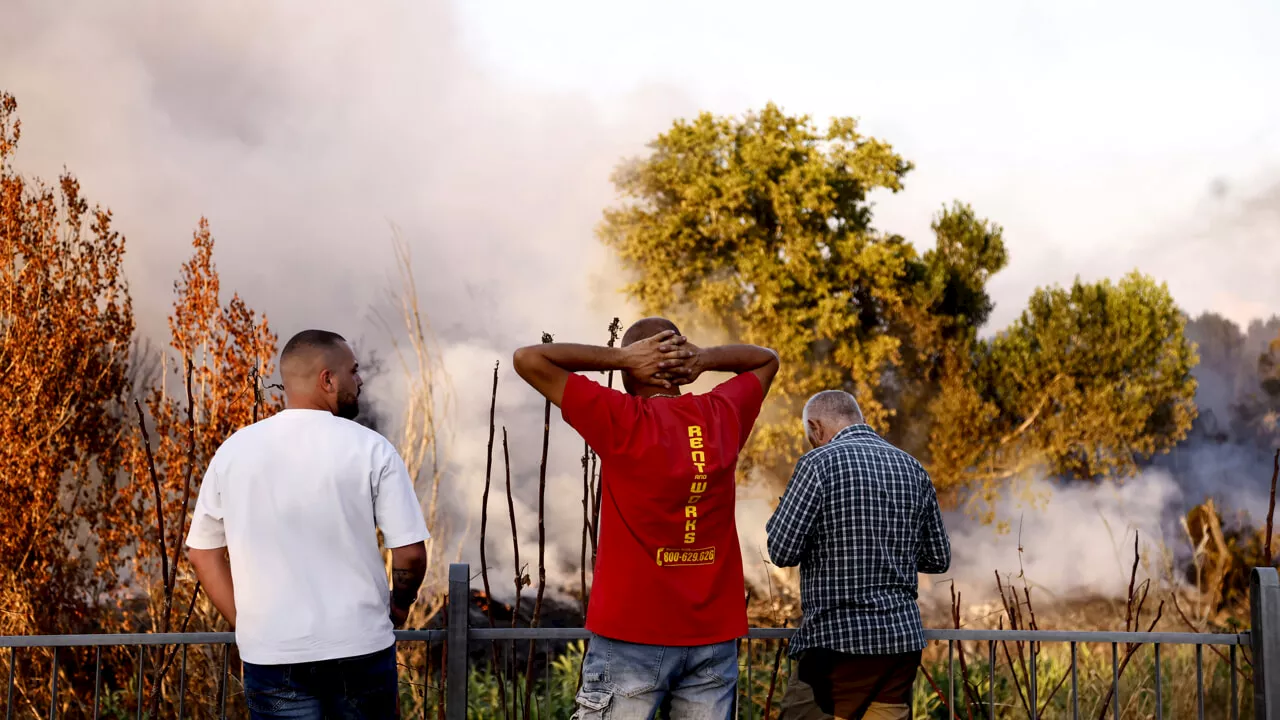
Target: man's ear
814 430
326 380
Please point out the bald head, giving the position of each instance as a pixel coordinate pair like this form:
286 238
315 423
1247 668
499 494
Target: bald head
829 412
320 372
647 328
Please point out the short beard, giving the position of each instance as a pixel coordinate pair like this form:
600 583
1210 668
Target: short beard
348 407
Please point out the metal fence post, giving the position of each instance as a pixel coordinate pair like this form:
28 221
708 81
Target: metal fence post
1264 605
456 643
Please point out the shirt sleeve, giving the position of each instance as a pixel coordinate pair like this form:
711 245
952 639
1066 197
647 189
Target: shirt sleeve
396 510
745 395
935 547
207 529
604 417
792 523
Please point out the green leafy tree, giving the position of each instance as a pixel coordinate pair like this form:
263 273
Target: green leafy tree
939 327
761 226
1089 382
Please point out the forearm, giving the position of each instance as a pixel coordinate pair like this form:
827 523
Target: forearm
935 556
786 533
735 358
408 568
213 570
784 551
582 358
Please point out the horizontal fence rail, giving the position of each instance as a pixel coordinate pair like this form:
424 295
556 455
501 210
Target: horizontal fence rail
1170 668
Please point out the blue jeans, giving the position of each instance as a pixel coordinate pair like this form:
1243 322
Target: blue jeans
356 688
625 681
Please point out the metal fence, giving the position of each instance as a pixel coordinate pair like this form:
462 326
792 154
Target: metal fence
1244 668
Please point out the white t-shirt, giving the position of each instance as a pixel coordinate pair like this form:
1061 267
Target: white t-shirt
297 499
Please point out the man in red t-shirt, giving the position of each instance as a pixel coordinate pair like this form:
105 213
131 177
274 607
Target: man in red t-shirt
668 601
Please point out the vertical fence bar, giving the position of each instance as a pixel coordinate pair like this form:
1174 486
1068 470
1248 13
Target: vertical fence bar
1235 690
182 683
951 673
426 683
142 678
1115 681
550 647
456 648
1199 681
222 682
97 680
53 687
1264 606
750 686
991 680
1159 692
13 665
1033 684
1075 683
737 693
515 677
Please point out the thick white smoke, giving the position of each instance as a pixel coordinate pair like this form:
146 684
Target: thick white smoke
304 129
1076 540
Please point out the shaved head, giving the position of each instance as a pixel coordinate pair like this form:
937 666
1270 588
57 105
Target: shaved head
829 412
647 328
306 351
320 372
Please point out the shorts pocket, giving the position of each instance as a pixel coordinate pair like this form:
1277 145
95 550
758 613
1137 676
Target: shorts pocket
720 664
592 705
268 701
633 670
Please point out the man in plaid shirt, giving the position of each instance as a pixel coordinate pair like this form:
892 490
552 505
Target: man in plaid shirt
861 519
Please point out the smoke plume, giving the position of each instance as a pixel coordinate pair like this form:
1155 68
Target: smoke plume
304 130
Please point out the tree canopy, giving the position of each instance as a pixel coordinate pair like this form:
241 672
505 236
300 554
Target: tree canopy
761 226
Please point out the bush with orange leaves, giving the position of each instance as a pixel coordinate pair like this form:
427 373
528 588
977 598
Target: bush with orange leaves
65 329
211 386
96 490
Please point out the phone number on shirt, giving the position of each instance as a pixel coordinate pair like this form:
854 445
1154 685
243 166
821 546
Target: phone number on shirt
671 557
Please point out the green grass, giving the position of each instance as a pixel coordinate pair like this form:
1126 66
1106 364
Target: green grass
1053 685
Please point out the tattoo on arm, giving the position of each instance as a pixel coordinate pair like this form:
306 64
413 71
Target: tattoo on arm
404 587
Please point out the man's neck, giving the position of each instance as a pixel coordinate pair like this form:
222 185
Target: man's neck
306 404
656 392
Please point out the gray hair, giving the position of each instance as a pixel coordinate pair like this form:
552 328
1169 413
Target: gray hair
833 406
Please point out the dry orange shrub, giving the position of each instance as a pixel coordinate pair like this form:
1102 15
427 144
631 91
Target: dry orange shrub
65 329
95 490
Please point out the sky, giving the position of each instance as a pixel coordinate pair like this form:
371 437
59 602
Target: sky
1092 131
1102 136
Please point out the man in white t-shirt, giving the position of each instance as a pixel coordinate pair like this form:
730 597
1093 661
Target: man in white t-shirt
284 542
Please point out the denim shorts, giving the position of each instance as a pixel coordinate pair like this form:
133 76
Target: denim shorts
626 681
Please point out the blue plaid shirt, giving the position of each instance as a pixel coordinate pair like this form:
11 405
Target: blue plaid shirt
861 519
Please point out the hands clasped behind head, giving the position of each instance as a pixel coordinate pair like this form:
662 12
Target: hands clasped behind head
646 357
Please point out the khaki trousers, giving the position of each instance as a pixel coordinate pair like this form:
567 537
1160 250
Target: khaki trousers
830 685
798 704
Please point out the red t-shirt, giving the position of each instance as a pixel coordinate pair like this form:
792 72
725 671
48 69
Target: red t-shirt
668 565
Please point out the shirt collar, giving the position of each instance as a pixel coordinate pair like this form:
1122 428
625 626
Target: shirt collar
854 430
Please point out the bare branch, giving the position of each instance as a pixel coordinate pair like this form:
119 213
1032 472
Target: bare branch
155 483
542 545
484 525
1271 509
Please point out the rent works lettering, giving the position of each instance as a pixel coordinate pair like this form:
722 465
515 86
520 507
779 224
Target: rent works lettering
668 557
